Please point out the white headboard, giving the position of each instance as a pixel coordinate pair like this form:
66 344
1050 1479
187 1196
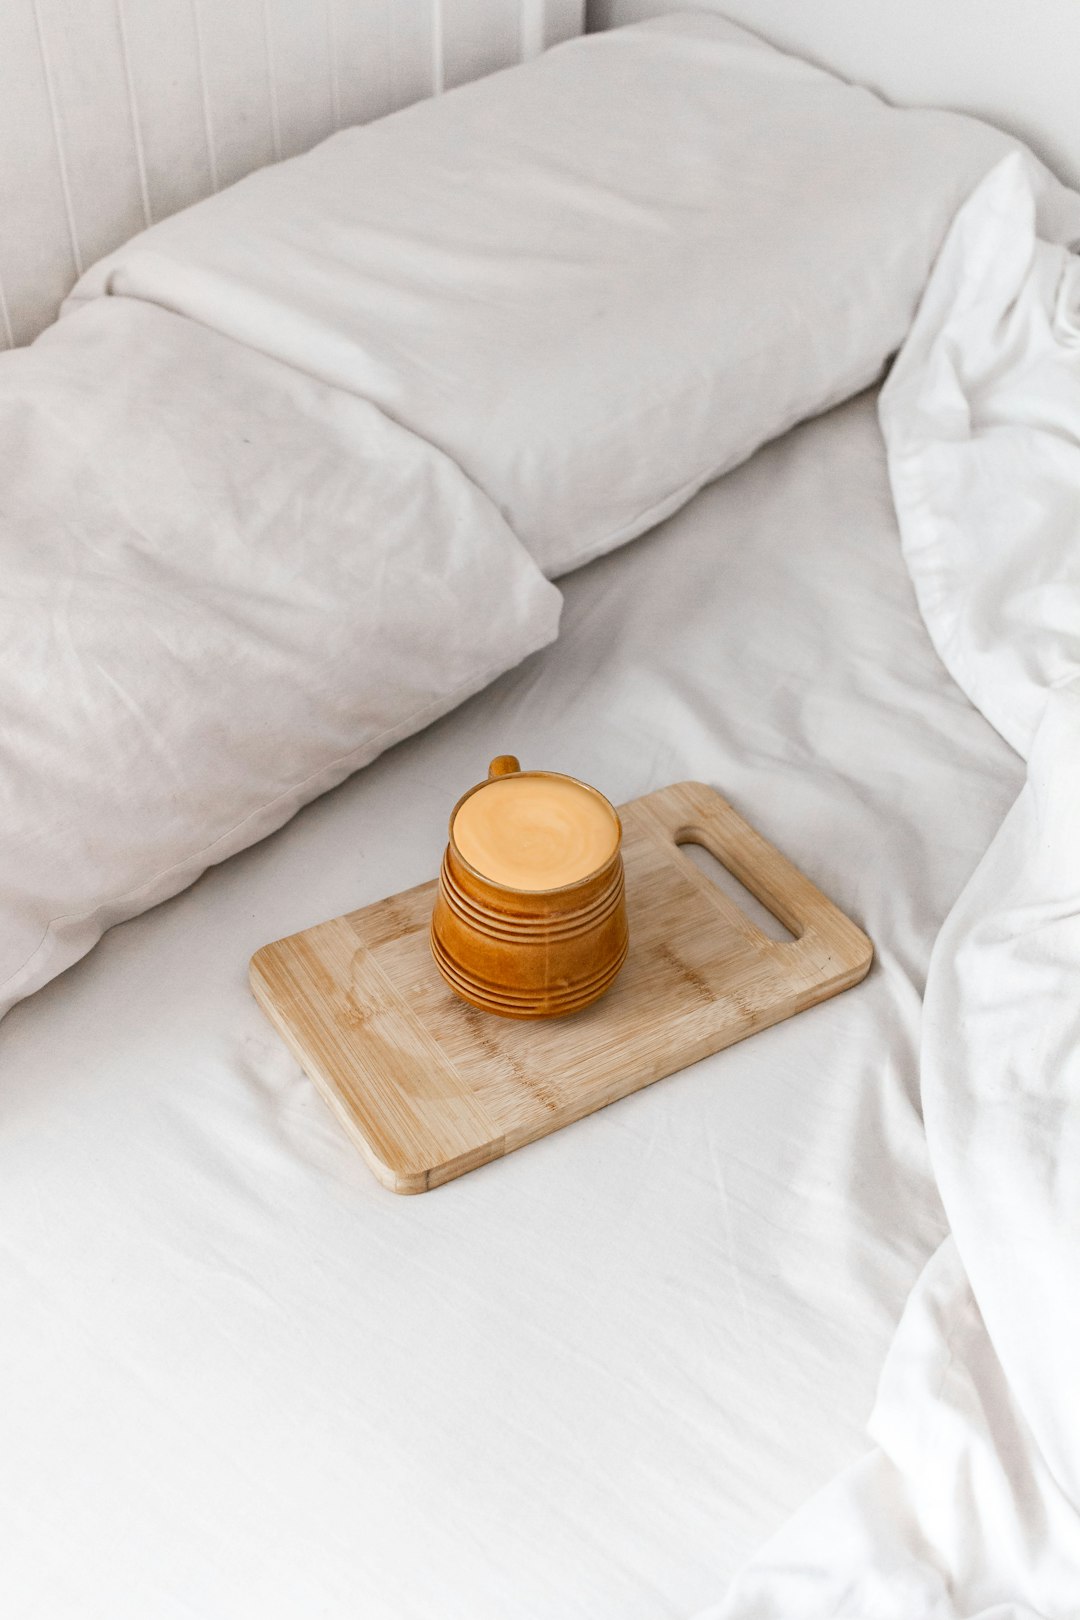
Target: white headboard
1015 63
114 113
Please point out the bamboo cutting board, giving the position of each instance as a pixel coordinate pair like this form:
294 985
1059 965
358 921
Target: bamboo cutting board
428 1087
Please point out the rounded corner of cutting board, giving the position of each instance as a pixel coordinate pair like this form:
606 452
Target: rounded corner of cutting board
857 949
406 1183
865 959
414 1175
258 964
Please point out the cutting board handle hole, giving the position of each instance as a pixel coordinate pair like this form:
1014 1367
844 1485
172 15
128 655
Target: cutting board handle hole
751 907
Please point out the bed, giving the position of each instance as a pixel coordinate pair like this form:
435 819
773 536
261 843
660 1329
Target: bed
238 1377
588 1379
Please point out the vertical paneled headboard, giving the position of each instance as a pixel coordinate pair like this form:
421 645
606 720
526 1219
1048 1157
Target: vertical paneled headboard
114 113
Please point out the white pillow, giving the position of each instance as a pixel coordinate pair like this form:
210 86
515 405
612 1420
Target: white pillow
597 280
223 587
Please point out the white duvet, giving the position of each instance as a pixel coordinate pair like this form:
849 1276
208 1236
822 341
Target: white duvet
969 1505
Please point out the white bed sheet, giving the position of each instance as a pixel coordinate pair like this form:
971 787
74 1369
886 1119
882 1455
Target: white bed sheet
239 1378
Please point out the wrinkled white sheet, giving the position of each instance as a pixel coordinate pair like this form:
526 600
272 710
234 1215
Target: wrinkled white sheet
970 1503
239 1379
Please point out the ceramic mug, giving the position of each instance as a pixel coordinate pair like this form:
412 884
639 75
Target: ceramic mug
529 953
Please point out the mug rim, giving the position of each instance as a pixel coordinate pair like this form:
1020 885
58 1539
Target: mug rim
560 888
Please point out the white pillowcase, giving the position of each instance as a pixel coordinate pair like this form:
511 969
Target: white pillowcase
597 280
223 587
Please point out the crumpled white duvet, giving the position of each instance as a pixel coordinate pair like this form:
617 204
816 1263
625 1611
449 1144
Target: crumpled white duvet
969 1505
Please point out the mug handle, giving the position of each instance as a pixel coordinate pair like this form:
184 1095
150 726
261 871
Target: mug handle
504 765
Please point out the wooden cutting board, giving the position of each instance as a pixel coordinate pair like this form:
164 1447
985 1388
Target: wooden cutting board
429 1087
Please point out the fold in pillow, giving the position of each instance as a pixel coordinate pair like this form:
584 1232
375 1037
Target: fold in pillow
223 587
596 280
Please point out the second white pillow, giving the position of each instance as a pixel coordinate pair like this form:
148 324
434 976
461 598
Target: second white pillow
597 280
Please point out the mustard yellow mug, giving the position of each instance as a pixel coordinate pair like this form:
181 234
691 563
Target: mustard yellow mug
530 914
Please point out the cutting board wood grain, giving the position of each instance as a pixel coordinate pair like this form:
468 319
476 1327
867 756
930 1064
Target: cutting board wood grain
428 1087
